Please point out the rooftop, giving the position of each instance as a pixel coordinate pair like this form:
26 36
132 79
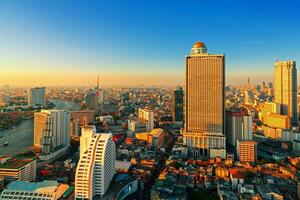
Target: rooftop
45 186
278 116
17 161
199 45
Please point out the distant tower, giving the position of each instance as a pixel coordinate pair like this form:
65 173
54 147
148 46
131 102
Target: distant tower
97 82
248 82
91 100
204 103
178 105
36 96
285 88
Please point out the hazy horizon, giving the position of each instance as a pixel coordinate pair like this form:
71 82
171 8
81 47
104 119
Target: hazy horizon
134 43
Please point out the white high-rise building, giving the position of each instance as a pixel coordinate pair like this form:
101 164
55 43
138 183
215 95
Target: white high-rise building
148 116
285 88
36 96
96 166
238 126
51 130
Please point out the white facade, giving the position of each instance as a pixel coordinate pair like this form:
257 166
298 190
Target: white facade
293 136
238 127
148 116
51 130
36 96
100 94
96 166
26 172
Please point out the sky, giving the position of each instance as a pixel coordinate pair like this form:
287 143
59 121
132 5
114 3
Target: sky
134 42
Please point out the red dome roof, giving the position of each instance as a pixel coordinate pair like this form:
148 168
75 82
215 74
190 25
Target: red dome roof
199 45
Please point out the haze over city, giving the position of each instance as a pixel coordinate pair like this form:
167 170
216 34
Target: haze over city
141 42
149 100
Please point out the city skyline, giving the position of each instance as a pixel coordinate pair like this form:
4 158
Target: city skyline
73 42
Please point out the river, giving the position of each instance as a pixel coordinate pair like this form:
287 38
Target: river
20 136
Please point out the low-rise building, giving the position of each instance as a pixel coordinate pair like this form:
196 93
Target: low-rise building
46 190
20 167
247 151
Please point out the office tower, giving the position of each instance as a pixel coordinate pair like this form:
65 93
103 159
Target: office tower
18 167
46 190
248 84
51 130
285 88
96 166
36 96
148 116
91 100
238 126
269 108
99 91
178 105
204 102
247 151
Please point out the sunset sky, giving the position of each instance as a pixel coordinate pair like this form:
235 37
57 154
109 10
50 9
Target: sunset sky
69 42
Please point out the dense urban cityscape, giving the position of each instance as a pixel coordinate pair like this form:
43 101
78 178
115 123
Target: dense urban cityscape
71 129
207 141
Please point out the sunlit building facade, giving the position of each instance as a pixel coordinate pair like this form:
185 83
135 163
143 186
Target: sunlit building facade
204 101
247 151
96 166
148 116
51 130
285 88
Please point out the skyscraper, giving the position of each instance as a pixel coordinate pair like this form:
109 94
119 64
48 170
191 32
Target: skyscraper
91 100
178 105
36 96
285 88
99 91
96 166
51 130
238 126
204 102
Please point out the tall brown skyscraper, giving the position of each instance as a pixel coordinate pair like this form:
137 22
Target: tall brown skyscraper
204 109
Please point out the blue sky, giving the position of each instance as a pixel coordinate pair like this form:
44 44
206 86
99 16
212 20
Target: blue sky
143 38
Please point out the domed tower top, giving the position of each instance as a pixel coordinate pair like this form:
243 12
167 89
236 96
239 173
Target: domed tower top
199 48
